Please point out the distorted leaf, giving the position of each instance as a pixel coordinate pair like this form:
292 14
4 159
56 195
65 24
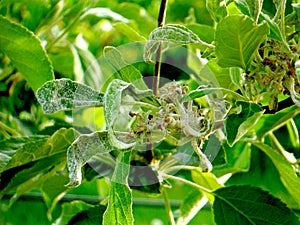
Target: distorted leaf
177 34
83 149
65 94
26 52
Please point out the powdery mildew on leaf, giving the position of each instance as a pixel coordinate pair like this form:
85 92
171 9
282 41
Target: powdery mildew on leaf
83 149
65 94
177 34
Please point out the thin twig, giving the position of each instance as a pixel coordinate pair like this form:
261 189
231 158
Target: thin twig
160 23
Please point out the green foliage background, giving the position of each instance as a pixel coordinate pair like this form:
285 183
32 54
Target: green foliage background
242 42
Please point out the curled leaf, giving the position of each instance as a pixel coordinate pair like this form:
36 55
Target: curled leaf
65 94
177 34
83 149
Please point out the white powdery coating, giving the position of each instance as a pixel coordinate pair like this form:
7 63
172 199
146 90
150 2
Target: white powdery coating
65 94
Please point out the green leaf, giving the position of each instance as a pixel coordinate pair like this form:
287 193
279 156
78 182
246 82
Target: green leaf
190 207
204 32
82 149
238 124
203 91
271 122
32 151
119 209
212 71
263 174
217 9
104 13
70 209
237 159
89 217
178 34
65 94
287 173
129 32
127 72
250 8
207 180
250 205
237 39
26 52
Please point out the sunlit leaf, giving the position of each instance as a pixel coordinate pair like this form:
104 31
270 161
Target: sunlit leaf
237 39
217 9
129 32
250 205
127 72
207 180
65 94
82 149
250 8
26 52
119 209
104 13
191 206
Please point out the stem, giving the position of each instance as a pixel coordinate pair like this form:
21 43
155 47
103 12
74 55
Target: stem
188 183
160 23
7 130
168 207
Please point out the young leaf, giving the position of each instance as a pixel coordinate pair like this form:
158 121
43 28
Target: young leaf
250 205
271 122
238 124
104 13
287 174
119 209
190 207
129 32
250 8
127 72
113 98
237 39
26 52
65 94
207 180
217 9
177 34
83 149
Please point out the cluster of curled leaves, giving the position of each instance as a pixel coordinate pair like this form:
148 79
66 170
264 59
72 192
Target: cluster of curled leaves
172 116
